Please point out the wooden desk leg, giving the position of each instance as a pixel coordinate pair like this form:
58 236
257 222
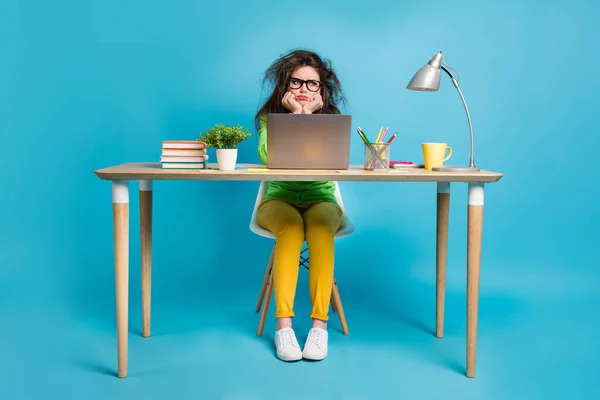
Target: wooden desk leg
474 222
443 210
146 244
120 195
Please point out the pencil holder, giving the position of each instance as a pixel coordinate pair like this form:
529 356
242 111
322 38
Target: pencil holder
373 163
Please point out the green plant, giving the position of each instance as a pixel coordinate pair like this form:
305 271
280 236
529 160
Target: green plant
222 136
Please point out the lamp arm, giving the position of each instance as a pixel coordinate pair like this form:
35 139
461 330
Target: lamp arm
455 82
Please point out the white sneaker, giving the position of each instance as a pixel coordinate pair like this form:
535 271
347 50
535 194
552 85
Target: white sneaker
287 346
316 344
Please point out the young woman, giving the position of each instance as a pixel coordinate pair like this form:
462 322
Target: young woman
303 83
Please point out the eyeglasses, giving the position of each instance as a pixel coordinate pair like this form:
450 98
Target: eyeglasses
311 85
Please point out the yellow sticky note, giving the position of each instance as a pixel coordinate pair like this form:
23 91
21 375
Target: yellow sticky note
257 169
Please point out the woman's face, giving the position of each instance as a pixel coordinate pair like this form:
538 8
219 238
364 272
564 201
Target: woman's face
300 89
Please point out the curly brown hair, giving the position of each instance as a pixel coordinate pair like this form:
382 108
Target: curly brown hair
281 70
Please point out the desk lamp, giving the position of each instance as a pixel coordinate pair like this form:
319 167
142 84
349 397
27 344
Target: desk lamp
427 79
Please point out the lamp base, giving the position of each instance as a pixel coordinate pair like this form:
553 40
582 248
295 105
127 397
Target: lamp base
455 168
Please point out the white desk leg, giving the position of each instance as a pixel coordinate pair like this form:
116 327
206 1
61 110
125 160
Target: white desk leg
146 244
120 195
443 209
474 222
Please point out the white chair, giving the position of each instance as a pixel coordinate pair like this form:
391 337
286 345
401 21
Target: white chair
346 228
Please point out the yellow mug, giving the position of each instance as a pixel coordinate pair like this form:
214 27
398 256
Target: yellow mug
434 154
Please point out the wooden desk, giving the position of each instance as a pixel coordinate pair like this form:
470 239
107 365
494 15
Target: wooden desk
146 173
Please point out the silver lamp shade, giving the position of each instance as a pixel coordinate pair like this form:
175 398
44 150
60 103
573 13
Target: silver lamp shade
427 79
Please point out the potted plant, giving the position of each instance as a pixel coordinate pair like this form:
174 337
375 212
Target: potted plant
225 139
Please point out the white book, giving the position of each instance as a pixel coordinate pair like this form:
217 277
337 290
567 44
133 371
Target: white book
183 165
183 159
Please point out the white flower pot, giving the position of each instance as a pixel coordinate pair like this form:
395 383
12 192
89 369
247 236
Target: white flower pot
226 159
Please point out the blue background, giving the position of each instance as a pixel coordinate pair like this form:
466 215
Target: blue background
89 84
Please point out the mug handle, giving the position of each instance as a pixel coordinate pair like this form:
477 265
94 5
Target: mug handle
449 153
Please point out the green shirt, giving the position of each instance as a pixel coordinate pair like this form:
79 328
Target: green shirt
294 192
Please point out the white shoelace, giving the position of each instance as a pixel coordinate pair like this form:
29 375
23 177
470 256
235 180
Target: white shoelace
316 338
287 338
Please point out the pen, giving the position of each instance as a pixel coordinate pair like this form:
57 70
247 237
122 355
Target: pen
365 138
383 134
367 143
362 136
378 137
392 138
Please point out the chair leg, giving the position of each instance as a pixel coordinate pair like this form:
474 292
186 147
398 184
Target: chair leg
333 305
338 304
261 295
265 310
304 260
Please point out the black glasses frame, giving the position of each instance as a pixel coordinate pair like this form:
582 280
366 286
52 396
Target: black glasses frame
303 82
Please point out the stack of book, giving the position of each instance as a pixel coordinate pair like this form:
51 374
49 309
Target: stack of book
190 154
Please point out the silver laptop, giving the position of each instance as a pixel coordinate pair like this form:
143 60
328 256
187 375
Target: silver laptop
308 141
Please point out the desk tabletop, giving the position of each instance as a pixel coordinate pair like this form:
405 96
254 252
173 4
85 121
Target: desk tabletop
248 172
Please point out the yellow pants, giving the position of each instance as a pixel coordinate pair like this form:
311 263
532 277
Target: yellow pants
291 224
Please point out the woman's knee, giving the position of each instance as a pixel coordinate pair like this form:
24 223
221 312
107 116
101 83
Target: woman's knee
281 218
325 220
290 227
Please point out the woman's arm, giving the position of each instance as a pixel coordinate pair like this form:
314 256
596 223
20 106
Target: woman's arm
262 138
